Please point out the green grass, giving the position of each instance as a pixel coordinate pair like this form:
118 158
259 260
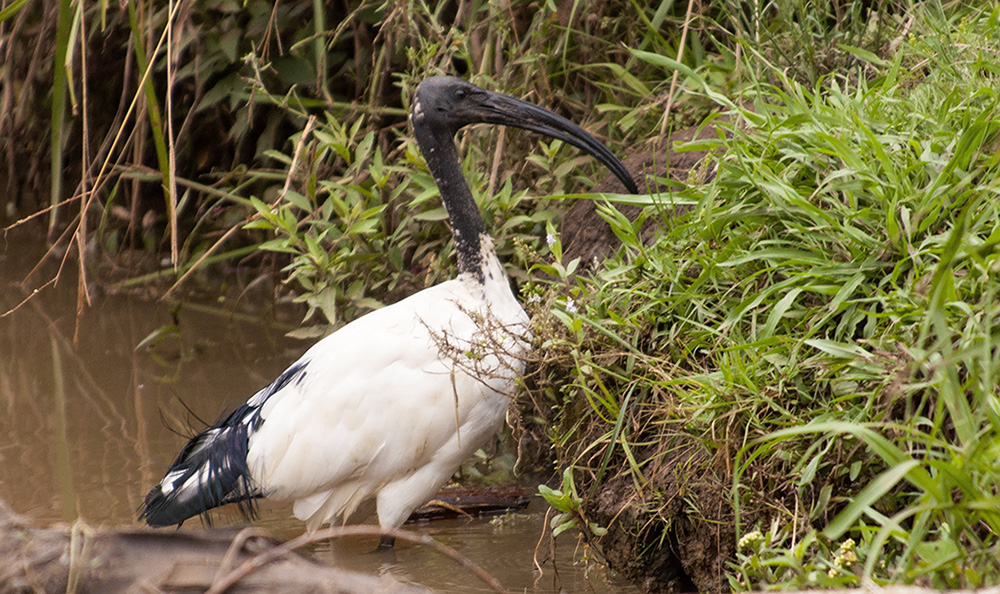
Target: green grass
824 319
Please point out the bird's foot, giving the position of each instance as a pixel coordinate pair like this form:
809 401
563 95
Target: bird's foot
385 547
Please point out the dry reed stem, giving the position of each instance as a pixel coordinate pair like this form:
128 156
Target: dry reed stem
229 232
673 80
172 50
77 228
82 292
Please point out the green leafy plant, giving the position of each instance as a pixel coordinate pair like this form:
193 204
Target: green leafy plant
567 502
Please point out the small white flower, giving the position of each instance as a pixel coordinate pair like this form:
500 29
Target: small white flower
550 239
536 298
571 306
749 539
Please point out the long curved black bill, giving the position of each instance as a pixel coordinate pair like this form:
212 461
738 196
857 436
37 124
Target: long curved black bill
505 110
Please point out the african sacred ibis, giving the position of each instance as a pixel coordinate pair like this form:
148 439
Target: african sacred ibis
386 408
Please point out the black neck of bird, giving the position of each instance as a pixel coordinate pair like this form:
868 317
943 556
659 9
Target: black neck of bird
467 226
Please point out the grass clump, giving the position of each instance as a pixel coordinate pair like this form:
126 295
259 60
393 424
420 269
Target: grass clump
805 362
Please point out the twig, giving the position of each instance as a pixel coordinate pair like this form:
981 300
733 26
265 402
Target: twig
497 159
82 292
894 44
220 585
538 545
673 80
26 299
237 544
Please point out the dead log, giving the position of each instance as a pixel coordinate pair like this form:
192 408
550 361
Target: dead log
84 560
485 501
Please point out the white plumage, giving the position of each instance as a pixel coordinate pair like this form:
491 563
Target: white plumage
320 443
385 409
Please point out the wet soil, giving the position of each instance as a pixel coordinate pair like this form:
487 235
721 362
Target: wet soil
587 236
680 546
677 535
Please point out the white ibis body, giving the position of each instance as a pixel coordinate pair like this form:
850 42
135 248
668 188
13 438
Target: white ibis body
386 408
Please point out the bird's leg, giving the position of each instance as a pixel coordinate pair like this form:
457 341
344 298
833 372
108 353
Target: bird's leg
386 543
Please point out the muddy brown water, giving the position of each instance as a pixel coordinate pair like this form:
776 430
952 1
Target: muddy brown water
89 428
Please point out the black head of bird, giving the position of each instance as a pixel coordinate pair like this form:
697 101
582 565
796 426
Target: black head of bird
445 104
441 107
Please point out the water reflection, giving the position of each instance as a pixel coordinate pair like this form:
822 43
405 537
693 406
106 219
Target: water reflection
507 548
89 428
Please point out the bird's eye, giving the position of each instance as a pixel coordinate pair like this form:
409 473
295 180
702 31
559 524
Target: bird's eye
461 94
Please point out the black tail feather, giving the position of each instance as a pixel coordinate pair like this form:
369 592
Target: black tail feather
212 468
210 471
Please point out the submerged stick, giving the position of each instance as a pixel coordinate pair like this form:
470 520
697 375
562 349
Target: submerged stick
223 583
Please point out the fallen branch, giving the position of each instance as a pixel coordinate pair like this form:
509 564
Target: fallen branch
227 581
